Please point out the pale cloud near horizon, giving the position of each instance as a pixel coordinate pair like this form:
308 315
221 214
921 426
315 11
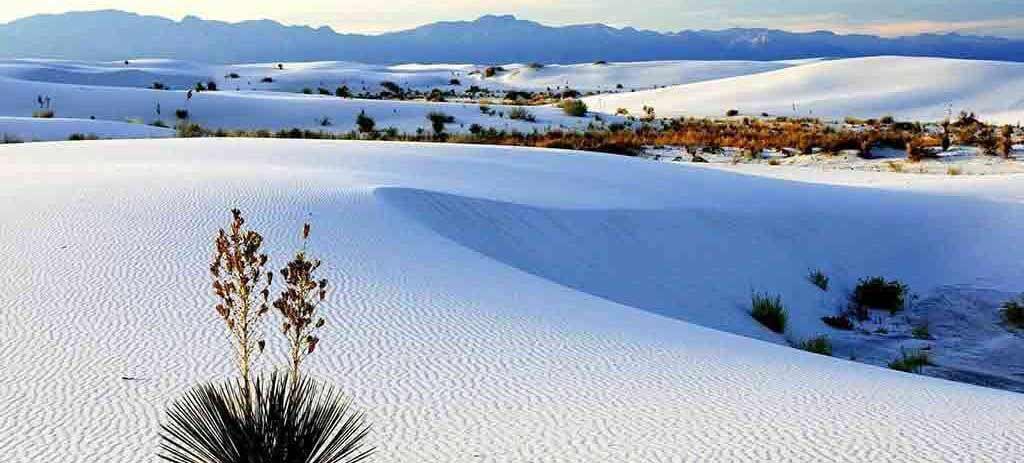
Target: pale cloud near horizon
880 17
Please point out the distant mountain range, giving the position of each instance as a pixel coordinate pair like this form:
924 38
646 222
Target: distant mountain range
115 35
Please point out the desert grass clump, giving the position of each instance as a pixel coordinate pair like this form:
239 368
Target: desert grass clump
521 114
241 283
879 293
275 420
911 361
769 311
921 332
819 345
298 305
574 108
1013 312
819 279
839 322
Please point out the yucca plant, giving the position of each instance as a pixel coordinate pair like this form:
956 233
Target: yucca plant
299 303
242 286
274 420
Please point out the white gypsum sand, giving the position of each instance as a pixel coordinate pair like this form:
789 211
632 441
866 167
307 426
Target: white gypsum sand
905 87
493 304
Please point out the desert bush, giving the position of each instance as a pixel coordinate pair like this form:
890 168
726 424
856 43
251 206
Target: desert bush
181 114
818 345
535 65
1005 144
574 108
307 91
769 311
365 122
44 114
521 114
438 120
732 113
476 129
911 361
267 80
211 86
818 278
233 75
887 120
241 283
393 89
839 322
324 121
951 170
1013 312
878 293
274 420
455 82
190 130
158 86
343 92
492 71
323 91
83 137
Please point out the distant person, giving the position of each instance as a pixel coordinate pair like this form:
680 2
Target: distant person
188 95
158 109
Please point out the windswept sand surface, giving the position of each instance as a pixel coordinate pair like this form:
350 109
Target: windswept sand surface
491 304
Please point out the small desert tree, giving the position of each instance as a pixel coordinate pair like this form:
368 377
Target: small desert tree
242 286
298 304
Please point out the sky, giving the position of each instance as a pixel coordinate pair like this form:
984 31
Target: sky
880 17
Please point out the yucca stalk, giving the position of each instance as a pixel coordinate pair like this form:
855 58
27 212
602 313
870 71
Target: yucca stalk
274 420
299 303
243 289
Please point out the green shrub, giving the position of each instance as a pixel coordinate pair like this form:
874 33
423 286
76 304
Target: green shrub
769 311
365 123
574 108
819 279
1013 313
278 421
818 345
911 361
438 120
181 114
878 293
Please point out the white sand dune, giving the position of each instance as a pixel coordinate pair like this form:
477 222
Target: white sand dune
35 129
359 77
258 109
492 304
908 88
635 75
